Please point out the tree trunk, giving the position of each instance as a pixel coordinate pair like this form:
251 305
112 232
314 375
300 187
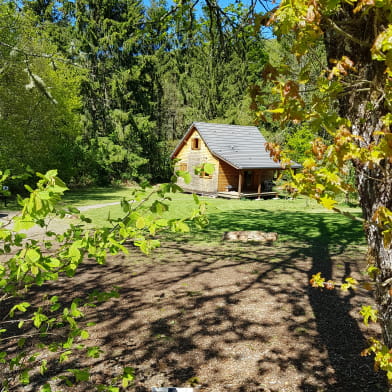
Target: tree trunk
363 103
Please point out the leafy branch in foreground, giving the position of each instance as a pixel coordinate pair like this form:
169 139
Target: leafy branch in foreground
54 325
352 104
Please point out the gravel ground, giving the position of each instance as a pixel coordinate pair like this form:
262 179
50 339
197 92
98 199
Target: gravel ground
229 317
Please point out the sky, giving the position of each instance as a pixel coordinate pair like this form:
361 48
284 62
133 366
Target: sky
262 6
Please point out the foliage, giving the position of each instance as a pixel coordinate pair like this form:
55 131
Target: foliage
110 84
353 105
55 325
38 99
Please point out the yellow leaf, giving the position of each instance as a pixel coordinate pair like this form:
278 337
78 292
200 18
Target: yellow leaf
327 202
277 110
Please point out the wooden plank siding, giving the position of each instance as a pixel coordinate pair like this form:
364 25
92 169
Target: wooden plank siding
228 175
194 154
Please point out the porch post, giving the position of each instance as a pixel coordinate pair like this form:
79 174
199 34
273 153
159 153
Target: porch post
258 183
240 180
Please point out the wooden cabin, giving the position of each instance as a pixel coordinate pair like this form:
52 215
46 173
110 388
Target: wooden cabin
243 167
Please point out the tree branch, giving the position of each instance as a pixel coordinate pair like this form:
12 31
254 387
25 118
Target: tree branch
41 55
348 214
347 35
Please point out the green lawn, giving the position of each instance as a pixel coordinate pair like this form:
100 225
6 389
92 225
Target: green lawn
95 195
299 220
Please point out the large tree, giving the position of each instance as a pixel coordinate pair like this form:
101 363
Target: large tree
353 105
38 97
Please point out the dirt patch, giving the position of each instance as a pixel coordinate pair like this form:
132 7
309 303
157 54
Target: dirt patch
233 317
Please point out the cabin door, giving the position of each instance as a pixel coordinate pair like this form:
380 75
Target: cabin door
248 180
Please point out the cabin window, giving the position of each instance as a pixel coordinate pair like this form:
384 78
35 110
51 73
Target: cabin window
196 143
183 167
203 174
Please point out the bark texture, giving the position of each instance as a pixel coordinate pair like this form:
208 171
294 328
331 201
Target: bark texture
364 103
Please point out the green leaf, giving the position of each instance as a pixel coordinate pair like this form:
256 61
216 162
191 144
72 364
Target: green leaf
22 307
24 377
73 210
84 334
32 256
128 376
367 312
158 207
182 227
74 252
23 223
196 198
54 262
140 223
94 352
64 356
185 175
43 368
46 388
21 342
162 222
44 195
80 374
143 245
209 168
68 343
75 312
38 319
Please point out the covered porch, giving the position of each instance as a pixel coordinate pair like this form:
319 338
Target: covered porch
246 195
250 183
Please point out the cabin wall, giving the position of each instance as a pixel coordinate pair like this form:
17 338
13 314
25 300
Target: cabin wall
228 175
190 158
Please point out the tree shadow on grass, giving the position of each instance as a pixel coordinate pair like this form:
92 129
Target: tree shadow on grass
78 196
290 226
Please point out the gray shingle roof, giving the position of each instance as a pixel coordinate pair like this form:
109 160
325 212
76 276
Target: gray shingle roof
240 146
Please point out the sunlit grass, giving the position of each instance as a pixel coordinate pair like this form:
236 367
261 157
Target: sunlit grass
300 220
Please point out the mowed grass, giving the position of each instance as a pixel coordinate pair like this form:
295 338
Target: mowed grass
95 195
300 220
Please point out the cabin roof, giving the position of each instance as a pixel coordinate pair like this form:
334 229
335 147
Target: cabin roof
242 147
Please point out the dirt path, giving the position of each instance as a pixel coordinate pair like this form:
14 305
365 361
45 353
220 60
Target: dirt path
233 318
55 225
95 206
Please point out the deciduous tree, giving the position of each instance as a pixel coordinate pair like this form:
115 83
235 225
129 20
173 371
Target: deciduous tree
353 105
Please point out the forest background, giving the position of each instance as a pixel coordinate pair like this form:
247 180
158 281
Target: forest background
103 90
